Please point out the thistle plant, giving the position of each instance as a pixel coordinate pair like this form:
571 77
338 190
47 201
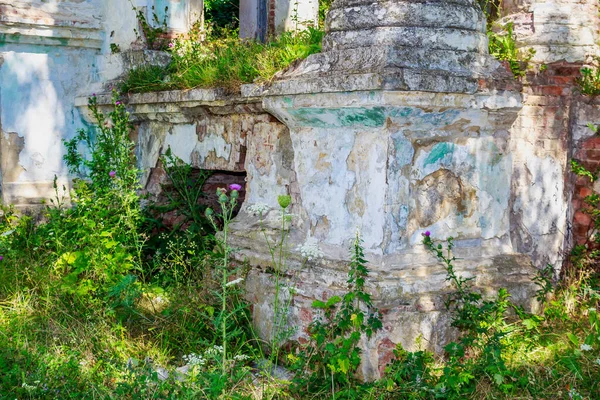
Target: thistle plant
279 252
227 202
106 213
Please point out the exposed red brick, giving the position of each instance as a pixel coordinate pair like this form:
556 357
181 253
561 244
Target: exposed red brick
386 353
306 315
585 192
592 143
582 219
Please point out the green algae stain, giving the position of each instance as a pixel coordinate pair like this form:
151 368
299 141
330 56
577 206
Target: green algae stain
439 152
340 117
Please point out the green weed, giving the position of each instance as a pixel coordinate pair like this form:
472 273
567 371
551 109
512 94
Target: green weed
503 47
589 81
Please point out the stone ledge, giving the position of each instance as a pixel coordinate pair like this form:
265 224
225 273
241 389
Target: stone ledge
63 24
147 106
299 81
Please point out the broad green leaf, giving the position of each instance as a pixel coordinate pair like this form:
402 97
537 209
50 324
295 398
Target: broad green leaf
333 301
319 304
573 339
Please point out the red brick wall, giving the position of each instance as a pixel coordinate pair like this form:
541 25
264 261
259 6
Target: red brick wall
588 154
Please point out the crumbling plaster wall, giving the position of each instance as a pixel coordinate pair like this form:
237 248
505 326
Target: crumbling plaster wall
212 130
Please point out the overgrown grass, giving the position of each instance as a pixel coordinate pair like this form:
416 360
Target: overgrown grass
225 61
89 310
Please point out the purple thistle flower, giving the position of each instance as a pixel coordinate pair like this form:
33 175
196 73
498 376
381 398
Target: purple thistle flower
171 45
235 186
112 174
118 103
1 258
427 234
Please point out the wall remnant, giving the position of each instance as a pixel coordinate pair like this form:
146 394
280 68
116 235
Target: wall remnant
564 35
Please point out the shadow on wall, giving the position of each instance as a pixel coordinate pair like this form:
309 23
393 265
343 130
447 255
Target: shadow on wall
38 86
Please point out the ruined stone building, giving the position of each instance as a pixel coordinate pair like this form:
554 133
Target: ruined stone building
403 124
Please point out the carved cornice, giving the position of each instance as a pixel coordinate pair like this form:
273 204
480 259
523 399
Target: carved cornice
55 24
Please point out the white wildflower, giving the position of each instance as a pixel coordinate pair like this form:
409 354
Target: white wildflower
259 208
597 361
241 357
310 249
214 351
194 359
27 387
585 347
234 282
592 309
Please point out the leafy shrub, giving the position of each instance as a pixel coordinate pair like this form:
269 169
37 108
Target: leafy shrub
75 307
491 9
324 6
180 252
152 32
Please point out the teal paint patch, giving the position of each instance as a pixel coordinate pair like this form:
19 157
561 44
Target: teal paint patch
401 219
440 118
288 101
427 118
403 112
339 117
403 152
15 39
439 152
